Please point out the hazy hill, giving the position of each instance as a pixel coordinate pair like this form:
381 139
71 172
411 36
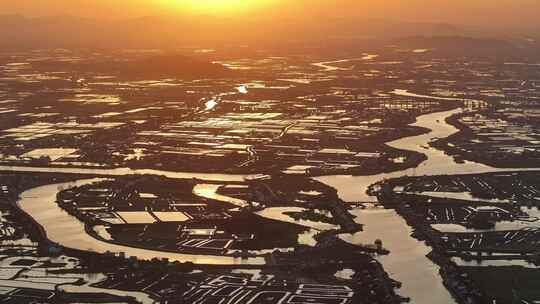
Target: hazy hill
153 66
172 66
469 46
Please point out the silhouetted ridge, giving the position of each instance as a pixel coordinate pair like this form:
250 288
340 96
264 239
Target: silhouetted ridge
158 66
172 66
461 45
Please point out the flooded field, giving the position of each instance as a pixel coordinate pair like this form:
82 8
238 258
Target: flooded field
265 141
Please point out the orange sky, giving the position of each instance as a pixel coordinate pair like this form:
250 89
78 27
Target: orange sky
484 12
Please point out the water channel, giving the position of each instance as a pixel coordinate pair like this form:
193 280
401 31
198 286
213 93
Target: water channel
407 262
68 231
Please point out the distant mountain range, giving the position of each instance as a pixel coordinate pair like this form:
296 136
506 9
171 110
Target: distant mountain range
208 31
468 46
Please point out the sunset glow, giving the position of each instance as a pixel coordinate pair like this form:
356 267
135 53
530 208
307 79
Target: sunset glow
219 6
270 151
476 12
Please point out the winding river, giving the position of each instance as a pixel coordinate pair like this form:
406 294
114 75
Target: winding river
68 231
214 177
329 66
407 262
354 188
